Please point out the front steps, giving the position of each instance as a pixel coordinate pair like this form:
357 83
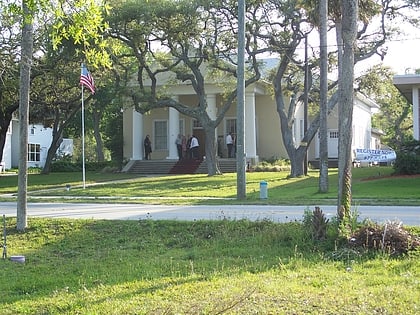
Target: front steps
156 167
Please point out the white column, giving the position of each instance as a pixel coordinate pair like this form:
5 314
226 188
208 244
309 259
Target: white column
250 129
212 110
416 118
173 132
211 106
137 136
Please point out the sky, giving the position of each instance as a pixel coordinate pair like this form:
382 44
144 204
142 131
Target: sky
403 54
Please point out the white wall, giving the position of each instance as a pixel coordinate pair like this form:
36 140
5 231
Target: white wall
37 134
6 161
362 128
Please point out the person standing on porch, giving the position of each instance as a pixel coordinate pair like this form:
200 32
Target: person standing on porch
194 147
184 147
178 143
235 149
189 150
147 147
229 143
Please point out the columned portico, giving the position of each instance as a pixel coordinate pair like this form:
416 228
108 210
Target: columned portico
409 85
250 128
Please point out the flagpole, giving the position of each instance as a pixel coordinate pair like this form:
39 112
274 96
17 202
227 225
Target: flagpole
85 79
83 140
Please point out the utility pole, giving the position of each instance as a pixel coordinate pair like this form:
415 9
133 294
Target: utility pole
323 98
24 95
240 137
305 106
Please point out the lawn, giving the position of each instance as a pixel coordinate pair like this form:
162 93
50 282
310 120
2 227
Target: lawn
204 267
372 185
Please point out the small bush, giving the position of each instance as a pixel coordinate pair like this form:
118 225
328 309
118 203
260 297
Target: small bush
34 170
66 166
273 165
110 169
408 159
316 223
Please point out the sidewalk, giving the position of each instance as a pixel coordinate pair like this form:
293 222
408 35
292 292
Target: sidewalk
276 213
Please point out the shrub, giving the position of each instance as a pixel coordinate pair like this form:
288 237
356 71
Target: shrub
110 169
66 166
316 223
34 170
408 158
273 165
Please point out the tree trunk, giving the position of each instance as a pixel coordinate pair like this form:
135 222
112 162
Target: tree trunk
97 115
55 144
296 155
25 81
211 149
346 78
297 159
59 125
323 115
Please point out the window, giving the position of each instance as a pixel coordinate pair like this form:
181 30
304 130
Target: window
333 134
231 126
196 124
34 152
182 126
160 138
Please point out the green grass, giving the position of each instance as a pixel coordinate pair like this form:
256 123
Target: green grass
370 186
202 267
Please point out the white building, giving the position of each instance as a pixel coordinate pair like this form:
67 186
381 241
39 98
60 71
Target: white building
39 141
263 133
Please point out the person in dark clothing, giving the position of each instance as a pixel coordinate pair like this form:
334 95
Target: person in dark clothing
178 143
147 148
189 150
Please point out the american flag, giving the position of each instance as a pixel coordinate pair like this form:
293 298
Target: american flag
86 79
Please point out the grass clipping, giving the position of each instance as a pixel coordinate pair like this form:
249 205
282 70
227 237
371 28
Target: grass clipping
391 238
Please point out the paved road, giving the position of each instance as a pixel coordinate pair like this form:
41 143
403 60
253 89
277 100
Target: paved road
408 215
